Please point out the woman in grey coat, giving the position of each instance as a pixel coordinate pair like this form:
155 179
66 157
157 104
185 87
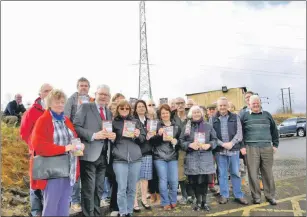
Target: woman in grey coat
198 139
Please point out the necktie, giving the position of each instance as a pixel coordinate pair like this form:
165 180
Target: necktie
101 113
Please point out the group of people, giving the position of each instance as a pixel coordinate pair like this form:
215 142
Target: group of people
189 147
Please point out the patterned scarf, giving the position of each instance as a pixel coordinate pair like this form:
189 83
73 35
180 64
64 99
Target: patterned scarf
62 136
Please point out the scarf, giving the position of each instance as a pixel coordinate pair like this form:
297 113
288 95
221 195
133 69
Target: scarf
200 124
58 117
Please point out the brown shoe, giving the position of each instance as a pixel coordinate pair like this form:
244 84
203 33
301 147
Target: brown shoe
158 199
173 206
153 198
223 200
242 201
167 208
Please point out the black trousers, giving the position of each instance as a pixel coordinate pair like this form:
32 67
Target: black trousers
198 187
92 179
153 184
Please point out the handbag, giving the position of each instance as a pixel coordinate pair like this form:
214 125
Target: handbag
51 167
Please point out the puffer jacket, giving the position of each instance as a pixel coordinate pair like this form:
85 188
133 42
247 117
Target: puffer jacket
163 150
198 162
123 148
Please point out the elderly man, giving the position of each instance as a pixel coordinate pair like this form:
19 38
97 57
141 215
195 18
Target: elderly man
172 104
180 117
246 108
211 110
229 133
27 123
71 107
88 125
260 137
13 111
190 103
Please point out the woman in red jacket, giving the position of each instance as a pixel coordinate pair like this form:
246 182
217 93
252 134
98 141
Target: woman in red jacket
52 136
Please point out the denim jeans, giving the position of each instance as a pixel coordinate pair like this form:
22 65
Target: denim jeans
127 175
106 189
76 193
36 200
231 163
168 175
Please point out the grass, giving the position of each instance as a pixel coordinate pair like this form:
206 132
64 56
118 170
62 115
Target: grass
281 117
14 159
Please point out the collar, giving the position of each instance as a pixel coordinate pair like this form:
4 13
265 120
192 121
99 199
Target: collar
250 112
98 106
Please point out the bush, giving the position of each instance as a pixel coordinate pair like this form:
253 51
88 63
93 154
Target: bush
14 159
281 117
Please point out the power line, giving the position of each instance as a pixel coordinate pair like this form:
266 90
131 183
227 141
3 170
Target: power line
270 72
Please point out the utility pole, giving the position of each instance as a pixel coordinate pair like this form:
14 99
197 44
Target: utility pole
283 103
144 75
290 100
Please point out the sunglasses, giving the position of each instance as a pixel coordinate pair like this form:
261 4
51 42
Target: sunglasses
151 104
127 109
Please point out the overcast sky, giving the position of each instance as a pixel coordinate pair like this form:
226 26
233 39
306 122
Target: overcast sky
193 46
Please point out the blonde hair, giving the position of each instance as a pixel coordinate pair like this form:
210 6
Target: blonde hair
152 112
55 94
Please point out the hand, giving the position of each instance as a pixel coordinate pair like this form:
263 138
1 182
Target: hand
227 145
70 147
112 136
205 146
82 146
274 149
137 133
174 141
149 135
101 135
243 151
161 131
194 146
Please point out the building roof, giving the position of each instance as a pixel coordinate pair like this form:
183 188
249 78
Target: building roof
244 88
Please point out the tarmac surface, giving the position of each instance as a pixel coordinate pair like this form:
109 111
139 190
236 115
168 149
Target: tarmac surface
290 178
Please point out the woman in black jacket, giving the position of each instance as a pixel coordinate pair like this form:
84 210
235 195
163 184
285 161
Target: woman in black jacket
166 157
140 111
127 156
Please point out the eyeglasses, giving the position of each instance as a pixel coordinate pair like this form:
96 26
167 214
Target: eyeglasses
151 104
127 109
179 103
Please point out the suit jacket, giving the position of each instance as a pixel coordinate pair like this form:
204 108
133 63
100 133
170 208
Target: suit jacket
87 122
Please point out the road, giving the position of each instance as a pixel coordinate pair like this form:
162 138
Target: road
292 147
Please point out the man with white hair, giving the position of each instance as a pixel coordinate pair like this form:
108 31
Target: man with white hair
261 140
229 133
88 125
190 103
13 111
172 104
27 123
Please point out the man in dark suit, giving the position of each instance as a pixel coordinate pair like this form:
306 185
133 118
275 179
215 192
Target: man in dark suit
13 111
88 125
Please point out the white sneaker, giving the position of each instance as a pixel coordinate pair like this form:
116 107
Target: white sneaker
75 208
114 213
104 203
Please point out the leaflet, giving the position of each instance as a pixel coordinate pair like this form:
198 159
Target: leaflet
128 130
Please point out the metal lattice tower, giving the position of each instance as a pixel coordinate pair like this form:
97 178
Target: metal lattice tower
144 75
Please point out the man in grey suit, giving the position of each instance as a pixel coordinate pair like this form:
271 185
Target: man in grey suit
88 125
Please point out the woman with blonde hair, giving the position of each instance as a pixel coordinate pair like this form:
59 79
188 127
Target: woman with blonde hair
52 136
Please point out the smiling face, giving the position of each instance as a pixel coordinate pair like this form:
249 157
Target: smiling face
180 103
165 115
141 108
83 88
196 114
102 96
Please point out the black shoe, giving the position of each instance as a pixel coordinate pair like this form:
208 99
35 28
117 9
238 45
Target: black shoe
256 201
205 206
197 208
223 200
242 201
272 201
146 206
136 209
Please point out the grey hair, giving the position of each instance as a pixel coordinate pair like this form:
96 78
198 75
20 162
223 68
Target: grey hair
194 108
42 87
221 99
103 86
253 98
180 98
